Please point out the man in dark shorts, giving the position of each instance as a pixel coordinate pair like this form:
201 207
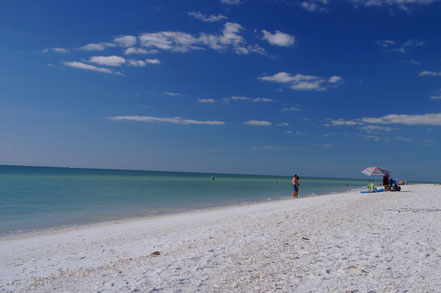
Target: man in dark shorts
295 186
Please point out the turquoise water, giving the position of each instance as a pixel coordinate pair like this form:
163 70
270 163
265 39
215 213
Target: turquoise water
41 197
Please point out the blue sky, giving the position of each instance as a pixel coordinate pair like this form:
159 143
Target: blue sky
318 88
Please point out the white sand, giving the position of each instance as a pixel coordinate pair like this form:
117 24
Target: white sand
385 242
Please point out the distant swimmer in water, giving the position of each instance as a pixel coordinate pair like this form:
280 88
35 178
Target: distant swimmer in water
212 177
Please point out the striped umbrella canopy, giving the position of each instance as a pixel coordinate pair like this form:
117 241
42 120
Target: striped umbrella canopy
375 171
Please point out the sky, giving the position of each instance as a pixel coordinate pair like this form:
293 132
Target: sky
316 87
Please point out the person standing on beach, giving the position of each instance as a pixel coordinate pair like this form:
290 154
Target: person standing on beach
386 182
295 186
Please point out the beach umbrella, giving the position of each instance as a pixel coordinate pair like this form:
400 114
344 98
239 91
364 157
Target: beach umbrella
375 171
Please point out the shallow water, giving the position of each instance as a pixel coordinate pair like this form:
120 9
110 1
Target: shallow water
41 197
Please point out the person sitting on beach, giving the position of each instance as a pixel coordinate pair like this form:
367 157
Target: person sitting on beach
295 186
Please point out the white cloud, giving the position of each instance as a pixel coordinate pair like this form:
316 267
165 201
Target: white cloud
152 61
414 62
57 50
282 124
183 42
392 46
278 38
302 82
230 2
173 120
429 73
291 109
80 65
436 95
132 50
261 100
334 79
339 122
173 94
403 5
93 47
424 119
168 40
313 5
415 119
235 98
125 41
375 128
258 123
209 101
325 145
108 60
301 133
136 63
211 18
270 148
60 50
238 98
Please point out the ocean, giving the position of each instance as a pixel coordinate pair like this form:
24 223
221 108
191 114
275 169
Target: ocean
44 197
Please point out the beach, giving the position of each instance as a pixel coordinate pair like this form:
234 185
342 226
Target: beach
344 242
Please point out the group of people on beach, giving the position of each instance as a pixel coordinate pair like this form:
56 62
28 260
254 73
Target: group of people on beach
391 184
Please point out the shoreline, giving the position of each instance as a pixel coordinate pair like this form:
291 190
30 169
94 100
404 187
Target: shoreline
19 233
338 242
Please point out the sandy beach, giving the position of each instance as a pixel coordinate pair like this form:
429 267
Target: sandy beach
346 242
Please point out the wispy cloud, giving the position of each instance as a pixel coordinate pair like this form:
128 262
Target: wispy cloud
270 148
93 47
415 119
405 5
258 123
278 38
173 94
108 60
239 98
230 2
424 119
375 128
313 5
414 62
323 145
125 41
139 51
56 50
173 120
152 61
393 46
207 18
302 82
230 37
429 73
436 95
136 63
83 66
287 109
206 101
